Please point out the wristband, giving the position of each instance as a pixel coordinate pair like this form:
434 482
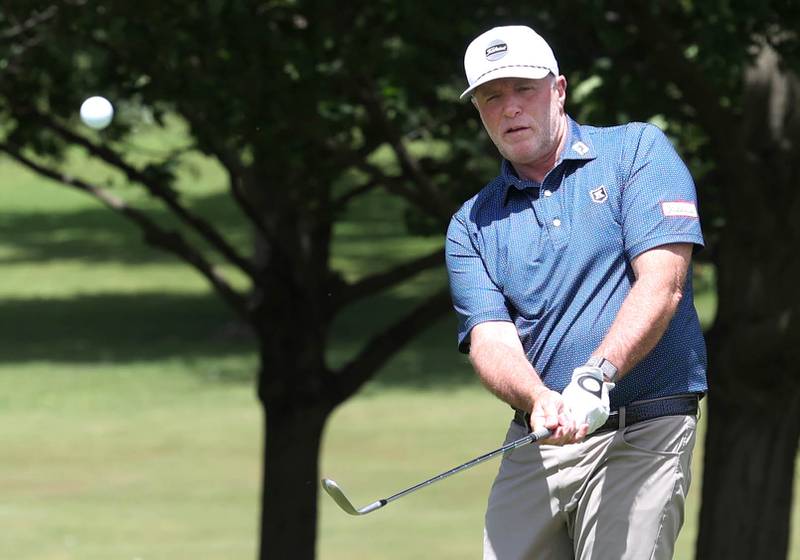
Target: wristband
609 370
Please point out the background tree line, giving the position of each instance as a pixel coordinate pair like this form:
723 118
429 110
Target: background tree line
295 98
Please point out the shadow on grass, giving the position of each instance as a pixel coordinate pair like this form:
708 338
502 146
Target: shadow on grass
98 235
94 234
117 327
123 328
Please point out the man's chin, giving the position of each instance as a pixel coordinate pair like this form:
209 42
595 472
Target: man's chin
520 156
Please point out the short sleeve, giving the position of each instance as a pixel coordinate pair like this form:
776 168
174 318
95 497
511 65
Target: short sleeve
476 297
659 200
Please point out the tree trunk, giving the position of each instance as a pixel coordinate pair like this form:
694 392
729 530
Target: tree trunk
754 377
748 478
291 482
754 404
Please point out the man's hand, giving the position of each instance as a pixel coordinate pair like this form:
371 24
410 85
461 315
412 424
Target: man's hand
550 411
586 396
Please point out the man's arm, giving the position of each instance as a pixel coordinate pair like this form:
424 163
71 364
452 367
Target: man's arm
649 306
640 323
497 355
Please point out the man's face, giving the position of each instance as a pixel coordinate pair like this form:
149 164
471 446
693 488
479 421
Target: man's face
524 118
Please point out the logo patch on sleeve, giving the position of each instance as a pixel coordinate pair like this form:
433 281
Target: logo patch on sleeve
679 208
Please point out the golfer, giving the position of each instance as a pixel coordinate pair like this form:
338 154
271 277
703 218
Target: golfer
570 273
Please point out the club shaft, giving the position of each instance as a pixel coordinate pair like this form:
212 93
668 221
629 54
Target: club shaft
530 438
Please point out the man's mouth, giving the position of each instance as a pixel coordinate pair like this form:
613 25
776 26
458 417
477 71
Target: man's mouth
516 129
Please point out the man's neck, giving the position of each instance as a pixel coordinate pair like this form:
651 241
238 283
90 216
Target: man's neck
536 171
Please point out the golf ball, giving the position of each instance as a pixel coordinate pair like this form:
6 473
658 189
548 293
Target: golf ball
97 112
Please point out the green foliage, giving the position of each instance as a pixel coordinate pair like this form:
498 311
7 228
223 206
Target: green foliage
289 90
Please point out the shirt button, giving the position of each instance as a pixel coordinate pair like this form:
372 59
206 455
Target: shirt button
557 222
547 193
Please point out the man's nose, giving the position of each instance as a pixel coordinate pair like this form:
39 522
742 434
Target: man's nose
512 108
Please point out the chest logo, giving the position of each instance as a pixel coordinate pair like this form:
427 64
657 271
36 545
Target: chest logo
581 148
599 195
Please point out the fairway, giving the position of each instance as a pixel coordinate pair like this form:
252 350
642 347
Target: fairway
128 418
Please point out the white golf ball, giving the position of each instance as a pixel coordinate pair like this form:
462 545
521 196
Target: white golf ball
97 112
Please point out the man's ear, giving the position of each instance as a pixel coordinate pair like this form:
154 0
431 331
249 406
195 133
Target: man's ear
560 85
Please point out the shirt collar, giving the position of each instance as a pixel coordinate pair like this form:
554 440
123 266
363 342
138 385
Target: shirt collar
577 147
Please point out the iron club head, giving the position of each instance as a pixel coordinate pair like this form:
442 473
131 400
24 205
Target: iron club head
341 500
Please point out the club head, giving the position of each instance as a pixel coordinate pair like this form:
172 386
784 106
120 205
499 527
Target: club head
341 500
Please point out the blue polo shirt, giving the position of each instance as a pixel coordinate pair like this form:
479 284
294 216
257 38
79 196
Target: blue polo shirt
555 258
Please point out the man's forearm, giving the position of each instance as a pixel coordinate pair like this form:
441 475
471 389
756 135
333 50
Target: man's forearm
502 366
648 309
500 361
639 325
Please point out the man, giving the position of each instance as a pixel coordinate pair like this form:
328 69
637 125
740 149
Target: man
570 274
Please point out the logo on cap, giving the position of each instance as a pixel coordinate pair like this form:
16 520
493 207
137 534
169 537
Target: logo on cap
496 50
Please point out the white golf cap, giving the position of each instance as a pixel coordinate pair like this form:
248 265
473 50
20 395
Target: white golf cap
514 51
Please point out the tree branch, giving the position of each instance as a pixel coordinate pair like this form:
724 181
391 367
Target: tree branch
397 186
433 202
342 201
17 33
161 192
35 19
381 348
239 176
383 280
155 235
236 178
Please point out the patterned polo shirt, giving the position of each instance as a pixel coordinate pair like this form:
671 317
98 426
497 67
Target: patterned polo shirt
555 258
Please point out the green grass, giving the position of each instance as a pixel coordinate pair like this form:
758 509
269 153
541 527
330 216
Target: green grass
128 421
116 461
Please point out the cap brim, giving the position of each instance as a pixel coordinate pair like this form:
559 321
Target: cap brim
526 72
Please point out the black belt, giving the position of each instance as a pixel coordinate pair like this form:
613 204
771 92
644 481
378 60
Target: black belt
638 411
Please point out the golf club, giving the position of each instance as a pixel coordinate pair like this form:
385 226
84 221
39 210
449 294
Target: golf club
335 492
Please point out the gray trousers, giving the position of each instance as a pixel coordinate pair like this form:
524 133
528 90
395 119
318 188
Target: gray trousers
617 495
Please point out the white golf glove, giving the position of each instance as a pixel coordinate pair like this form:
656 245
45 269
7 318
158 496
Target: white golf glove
587 396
